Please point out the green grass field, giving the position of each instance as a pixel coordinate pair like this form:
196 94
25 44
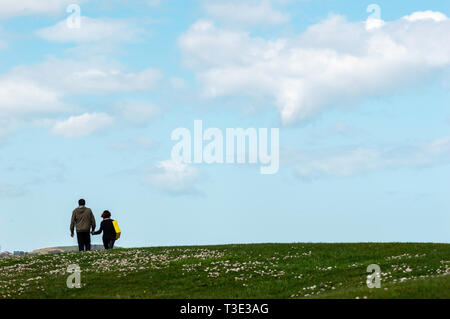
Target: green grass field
235 271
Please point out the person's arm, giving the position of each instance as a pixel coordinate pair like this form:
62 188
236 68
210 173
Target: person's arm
92 221
72 223
98 232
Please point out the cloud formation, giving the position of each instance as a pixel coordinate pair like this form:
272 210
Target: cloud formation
332 63
87 76
17 8
255 12
40 90
104 30
354 160
82 125
173 177
426 15
25 97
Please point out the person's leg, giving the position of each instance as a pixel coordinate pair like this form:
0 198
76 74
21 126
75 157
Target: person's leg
111 243
80 241
88 241
106 242
84 241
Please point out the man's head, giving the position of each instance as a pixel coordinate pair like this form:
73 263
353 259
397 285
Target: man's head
81 202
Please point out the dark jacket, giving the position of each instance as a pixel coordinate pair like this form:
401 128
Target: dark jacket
82 219
108 229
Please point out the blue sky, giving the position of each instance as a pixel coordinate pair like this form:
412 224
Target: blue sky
362 105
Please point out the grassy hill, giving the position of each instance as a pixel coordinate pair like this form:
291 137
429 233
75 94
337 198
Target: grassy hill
62 249
235 271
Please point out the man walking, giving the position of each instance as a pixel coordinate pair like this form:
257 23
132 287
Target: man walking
83 220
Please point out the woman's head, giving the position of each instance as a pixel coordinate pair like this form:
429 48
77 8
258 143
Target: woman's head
106 214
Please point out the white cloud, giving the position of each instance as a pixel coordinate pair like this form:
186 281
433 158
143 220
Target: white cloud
374 24
83 125
21 98
41 89
332 63
32 94
425 15
350 161
173 177
137 112
105 30
13 8
256 12
87 77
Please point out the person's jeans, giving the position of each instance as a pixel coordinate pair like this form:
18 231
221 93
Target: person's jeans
84 241
108 243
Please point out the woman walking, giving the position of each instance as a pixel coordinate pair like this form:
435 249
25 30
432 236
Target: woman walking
107 227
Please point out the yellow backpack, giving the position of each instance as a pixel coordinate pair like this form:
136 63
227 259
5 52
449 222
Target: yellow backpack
117 229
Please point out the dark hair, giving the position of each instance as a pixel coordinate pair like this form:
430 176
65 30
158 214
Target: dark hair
106 214
81 202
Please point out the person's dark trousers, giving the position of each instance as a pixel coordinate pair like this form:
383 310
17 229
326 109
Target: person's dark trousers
84 241
108 243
